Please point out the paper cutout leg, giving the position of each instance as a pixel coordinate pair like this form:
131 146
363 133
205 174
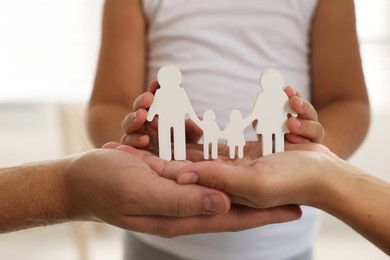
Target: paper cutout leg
179 148
279 143
266 142
164 143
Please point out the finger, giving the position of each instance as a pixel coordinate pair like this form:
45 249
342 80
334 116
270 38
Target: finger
195 155
243 201
190 200
217 176
237 219
111 145
296 139
166 169
303 108
309 129
167 198
144 100
252 149
310 146
134 121
136 140
290 91
193 131
153 86
132 150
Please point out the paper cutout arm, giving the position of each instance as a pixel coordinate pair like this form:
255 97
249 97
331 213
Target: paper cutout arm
288 110
189 109
152 112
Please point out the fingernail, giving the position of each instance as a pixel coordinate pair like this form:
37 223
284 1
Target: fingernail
143 138
138 102
294 92
188 178
300 102
134 115
215 203
298 123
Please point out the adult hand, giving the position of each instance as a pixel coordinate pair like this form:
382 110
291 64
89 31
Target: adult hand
290 177
119 188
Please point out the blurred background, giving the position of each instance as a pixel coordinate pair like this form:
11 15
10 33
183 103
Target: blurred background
48 55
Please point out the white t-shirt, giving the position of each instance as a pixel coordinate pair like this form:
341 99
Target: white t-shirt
221 47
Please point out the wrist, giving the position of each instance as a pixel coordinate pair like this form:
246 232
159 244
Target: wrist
333 184
75 206
33 195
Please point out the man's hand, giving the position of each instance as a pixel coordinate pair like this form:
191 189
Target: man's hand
135 190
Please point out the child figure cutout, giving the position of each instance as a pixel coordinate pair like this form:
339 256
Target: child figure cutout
171 104
234 133
271 112
211 134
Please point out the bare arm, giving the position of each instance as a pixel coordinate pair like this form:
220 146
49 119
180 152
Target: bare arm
360 200
103 185
339 92
308 175
115 187
33 195
120 73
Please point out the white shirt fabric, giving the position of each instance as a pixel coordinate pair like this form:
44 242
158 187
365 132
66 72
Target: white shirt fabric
221 47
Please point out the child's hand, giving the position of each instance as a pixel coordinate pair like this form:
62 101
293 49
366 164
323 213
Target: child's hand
139 132
305 127
143 134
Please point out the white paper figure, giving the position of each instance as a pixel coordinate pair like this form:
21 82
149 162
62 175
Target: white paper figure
234 133
171 104
271 111
211 134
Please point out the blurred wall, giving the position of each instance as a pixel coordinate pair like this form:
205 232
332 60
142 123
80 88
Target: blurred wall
48 54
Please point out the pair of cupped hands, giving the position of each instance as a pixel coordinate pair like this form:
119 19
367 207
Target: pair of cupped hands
171 198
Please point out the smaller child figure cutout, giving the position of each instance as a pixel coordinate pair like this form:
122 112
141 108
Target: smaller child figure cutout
211 134
234 133
271 111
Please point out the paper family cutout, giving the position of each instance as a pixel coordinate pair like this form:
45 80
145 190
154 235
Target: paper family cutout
172 106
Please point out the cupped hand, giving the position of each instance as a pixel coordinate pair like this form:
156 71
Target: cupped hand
305 127
285 178
115 187
143 134
138 131
168 202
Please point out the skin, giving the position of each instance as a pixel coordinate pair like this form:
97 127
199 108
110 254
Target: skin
120 73
310 175
306 174
116 187
338 87
143 134
339 92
